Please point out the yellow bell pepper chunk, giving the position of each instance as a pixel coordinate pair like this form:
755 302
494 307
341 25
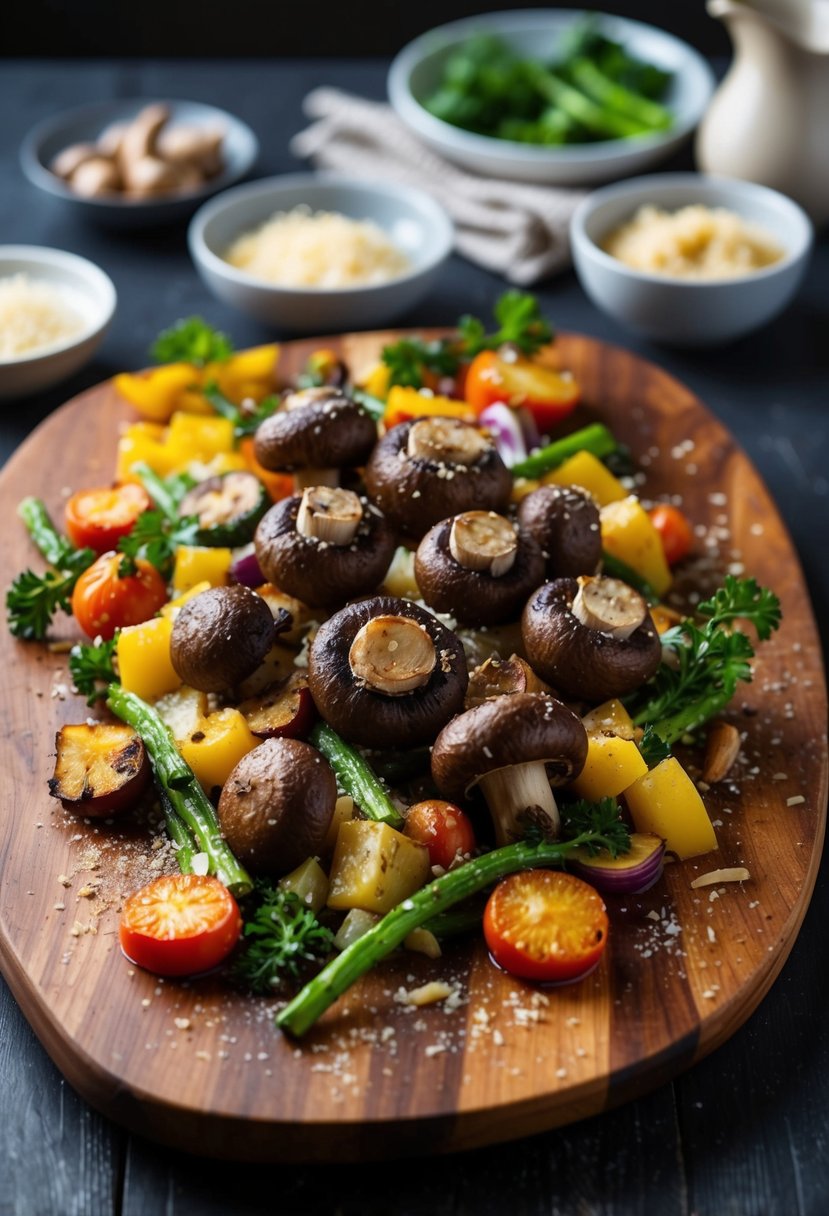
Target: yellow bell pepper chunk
143 443
171 608
196 564
191 437
376 383
214 750
405 403
144 658
586 470
612 765
157 393
248 373
627 533
667 802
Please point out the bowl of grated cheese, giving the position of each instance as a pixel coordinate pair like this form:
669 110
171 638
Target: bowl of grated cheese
308 252
55 308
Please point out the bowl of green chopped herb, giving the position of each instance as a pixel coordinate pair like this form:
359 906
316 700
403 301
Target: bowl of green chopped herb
550 96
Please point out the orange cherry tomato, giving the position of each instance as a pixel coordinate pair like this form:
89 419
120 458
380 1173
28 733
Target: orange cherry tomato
104 600
674 532
548 395
545 925
180 924
443 828
97 519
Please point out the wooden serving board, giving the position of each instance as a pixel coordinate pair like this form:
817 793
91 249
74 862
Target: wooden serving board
202 1068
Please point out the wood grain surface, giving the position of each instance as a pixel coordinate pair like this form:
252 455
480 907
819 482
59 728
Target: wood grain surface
202 1068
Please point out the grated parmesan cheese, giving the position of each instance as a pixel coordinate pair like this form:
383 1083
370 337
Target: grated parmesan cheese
322 249
33 316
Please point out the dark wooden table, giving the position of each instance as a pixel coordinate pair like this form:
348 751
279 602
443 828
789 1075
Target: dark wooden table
744 1133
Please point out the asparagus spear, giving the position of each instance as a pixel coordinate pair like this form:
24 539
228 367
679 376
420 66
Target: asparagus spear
355 775
595 438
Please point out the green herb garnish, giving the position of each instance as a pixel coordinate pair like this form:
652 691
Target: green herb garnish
91 666
191 341
155 538
282 935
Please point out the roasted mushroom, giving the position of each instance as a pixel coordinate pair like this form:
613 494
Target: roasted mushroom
277 804
593 638
513 748
386 673
499 677
478 568
564 521
220 636
315 433
326 547
427 470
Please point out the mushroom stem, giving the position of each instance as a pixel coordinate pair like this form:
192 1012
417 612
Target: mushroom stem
518 795
483 541
392 655
329 514
445 440
609 606
303 478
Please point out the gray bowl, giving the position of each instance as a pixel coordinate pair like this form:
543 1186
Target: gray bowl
85 123
91 293
416 71
412 219
689 312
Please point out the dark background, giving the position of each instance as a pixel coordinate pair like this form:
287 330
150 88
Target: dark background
184 28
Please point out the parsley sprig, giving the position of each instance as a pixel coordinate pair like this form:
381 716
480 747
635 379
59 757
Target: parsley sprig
191 341
155 538
282 936
520 324
705 663
33 599
92 668
245 421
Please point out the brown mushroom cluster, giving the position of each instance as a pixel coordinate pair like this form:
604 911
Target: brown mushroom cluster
144 158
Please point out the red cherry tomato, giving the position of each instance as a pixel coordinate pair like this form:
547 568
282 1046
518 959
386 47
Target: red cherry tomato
548 395
674 532
97 519
180 924
104 600
545 925
443 828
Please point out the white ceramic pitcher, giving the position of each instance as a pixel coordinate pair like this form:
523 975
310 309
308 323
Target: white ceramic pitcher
769 120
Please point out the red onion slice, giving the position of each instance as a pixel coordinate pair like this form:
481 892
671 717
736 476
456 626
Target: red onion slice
245 570
630 873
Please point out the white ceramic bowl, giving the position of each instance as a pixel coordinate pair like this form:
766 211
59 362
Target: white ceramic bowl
86 289
413 221
416 71
687 312
85 123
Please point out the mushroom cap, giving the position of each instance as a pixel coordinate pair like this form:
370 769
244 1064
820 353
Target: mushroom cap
414 494
372 718
475 597
516 729
584 664
277 804
328 432
316 572
564 521
220 636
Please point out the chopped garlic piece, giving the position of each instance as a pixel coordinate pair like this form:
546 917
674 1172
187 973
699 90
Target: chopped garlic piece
733 874
427 994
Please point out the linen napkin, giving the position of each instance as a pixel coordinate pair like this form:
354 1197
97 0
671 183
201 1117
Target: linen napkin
519 231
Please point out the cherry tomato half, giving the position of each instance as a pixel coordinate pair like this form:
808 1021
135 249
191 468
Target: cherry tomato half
545 925
546 394
180 924
104 601
443 828
674 532
97 519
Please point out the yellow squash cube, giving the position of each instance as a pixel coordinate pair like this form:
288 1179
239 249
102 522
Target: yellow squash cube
666 801
375 867
171 608
612 765
214 750
609 718
196 564
143 442
182 711
144 659
627 533
586 470
191 437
